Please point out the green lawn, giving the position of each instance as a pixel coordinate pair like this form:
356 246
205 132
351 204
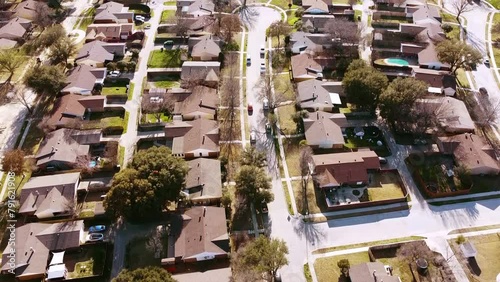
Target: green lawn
368 244
165 59
462 78
454 33
167 81
151 118
474 229
357 13
340 2
292 155
316 202
87 210
167 16
106 119
448 18
291 18
33 139
287 198
369 22
113 90
131 91
328 271
488 252
87 18
92 263
121 155
284 4
170 3
384 186
496 53
495 3
138 254
287 125
283 85
307 273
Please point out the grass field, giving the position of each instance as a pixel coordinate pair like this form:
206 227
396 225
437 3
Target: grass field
165 59
167 16
384 186
287 125
328 271
292 155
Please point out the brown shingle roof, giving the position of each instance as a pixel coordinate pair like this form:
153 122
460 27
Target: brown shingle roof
315 94
350 167
206 47
191 136
304 66
451 113
83 78
204 233
470 150
99 51
202 100
34 241
65 110
15 28
203 180
324 129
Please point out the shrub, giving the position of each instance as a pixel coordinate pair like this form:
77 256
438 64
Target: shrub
460 239
446 27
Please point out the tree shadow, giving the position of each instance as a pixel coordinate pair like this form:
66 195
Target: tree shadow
310 231
474 266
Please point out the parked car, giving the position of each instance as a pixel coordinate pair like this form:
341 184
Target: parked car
249 60
269 129
97 228
265 104
250 108
140 18
262 68
262 51
486 61
155 100
95 237
253 137
114 73
168 43
382 160
483 91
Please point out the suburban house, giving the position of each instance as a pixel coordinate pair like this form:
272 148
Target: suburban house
16 29
309 42
97 53
71 108
450 113
201 25
315 23
470 151
113 12
66 149
199 8
109 32
371 271
440 82
7 44
193 139
304 67
200 72
316 95
34 244
49 196
200 234
82 80
316 6
203 182
402 4
351 168
201 103
29 9
206 49
324 130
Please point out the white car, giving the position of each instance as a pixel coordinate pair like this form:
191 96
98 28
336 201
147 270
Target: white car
262 68
253 137
265 104
140 18
114 73
155 100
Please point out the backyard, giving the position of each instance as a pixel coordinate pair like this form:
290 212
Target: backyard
115 88
165 81
89 262
167 16
165 59
328 271
385 186
366 137
486 265
146 251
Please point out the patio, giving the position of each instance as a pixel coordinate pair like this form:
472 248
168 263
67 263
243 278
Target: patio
343 196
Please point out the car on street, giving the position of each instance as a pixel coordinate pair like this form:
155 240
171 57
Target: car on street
114 73
249 60
483 91
140 18
95 237
486 61
253 137
250 108
97 228
269 129
265 104
262 68
262 51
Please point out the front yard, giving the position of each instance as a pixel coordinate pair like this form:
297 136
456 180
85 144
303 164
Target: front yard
287 124
486 265
89 262
165 59
328 271
165 81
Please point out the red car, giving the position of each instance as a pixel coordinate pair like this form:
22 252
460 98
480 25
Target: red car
250 107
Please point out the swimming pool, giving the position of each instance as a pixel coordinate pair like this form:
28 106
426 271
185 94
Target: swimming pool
397 62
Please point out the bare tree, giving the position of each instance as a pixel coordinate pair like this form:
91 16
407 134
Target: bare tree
25 97
279 29
345 36
182 27
462 6
489 107
410 252
229 25
42 16
158 105
270 84
305 163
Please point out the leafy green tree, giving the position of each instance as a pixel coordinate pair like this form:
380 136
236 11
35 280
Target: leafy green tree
121 65
252 156
344 266
146 274
10 61
262 255
45 79
363 85
398 100
357 64
61 51
143 189
253 184
111 66
458 55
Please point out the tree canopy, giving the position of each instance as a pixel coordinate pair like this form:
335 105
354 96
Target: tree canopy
46 79
252 156
13 161
146 274
398 100
363 85
10 61
61 51
279 29
262 255
151 180
458 54
253 184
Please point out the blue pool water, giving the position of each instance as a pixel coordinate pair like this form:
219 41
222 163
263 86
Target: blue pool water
397 61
